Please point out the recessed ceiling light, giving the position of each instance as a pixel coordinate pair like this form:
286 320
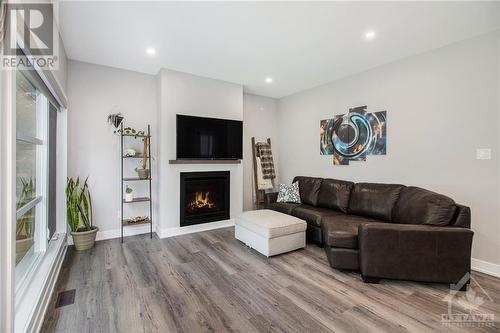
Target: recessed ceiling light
151 51
269 80
370 34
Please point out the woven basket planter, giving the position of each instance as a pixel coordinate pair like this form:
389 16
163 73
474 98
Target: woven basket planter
84 240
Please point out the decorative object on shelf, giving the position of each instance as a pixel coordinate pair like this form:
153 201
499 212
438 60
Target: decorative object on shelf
130 152
143 172
136 220
129 131
129 194
353 136
115 119
79 209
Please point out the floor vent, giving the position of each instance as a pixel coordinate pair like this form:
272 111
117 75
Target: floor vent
66 297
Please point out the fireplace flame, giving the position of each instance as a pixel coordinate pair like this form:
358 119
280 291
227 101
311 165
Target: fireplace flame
201 200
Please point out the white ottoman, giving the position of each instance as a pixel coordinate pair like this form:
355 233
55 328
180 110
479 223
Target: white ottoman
270 232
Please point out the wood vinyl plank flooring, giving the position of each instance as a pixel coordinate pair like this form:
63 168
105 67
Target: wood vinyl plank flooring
210 282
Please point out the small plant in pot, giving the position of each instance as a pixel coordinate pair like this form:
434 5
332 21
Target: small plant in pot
79 214
142 170
129 194
115 119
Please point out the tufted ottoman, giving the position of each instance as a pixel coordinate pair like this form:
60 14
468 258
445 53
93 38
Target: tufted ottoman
270 232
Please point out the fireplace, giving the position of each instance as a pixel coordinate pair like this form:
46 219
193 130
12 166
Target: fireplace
204 197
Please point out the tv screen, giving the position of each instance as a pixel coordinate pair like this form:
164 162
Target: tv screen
209 138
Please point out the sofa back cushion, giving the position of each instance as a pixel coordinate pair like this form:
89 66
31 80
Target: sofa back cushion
309 189
419 206
335 194
374 200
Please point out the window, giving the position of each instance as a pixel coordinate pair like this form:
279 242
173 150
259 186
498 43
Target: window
32 107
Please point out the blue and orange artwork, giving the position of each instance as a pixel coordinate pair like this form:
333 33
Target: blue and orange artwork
354 135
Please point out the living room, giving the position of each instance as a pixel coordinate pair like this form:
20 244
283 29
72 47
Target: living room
160 168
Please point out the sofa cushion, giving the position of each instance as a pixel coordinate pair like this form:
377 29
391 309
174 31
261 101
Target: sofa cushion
335 194
313 215
309 189
342 230
419 206
374 200
289 193
282 207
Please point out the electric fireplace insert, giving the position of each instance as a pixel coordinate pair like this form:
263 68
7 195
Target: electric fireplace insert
204 197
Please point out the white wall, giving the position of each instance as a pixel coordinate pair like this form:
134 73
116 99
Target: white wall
181 93
260 120
93 150
441 106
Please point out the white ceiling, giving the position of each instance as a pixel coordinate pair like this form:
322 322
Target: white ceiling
300 45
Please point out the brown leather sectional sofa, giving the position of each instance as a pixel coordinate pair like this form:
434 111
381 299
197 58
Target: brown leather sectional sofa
384 230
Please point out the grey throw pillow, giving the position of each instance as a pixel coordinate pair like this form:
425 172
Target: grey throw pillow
289 193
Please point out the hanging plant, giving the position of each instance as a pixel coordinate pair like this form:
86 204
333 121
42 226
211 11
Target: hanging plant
130 131
115 119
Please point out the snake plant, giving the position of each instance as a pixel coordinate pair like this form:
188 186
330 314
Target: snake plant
78 205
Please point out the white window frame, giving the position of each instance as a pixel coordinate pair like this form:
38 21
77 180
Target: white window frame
26 268
25 313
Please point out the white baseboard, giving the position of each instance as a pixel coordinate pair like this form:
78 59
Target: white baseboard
130 230
133 230
170 232
485 267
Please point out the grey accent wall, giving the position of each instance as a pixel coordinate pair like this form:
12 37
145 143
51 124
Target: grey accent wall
260 120
441 106
93 150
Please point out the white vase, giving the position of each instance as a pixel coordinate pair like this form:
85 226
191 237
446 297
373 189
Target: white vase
129 196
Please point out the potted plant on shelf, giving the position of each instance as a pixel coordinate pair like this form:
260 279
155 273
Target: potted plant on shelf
24 225
130 132
79 209
129 194
142 170
115 119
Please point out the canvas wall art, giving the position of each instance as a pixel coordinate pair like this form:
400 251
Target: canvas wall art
354 135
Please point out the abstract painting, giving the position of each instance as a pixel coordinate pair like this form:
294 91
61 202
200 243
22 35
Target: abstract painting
354 135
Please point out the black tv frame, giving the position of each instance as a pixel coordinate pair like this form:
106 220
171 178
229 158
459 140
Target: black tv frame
202 158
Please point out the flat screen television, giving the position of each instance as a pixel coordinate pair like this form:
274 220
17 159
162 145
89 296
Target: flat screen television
209 138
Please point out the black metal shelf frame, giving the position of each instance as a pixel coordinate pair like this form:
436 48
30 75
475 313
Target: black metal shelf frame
127 179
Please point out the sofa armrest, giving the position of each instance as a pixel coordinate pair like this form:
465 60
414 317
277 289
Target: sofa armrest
270 197
462 217
414 252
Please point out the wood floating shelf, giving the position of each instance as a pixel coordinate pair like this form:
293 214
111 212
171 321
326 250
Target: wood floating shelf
137 136
130 179
204 161
136 156
126 223
138 199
